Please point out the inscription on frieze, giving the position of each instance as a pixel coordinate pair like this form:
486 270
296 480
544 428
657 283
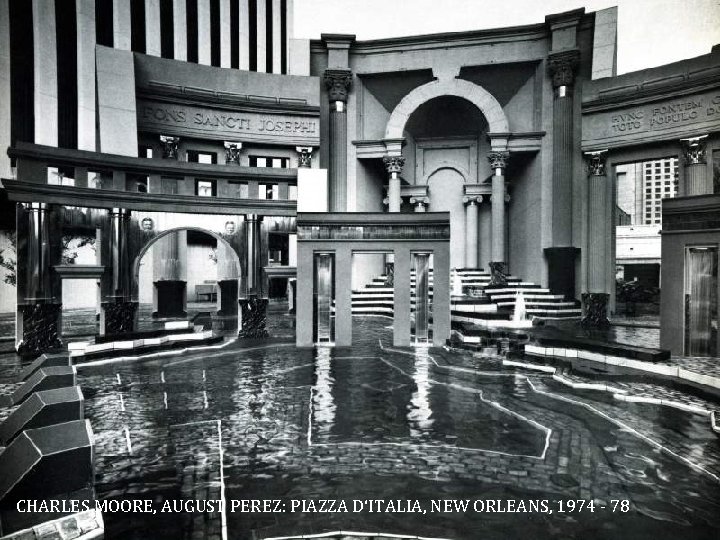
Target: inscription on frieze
677 116
189 120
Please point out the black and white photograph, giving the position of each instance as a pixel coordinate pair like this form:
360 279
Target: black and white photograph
359 269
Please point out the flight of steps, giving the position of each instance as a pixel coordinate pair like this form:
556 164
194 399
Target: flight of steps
481 301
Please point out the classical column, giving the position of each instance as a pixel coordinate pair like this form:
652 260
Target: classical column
697 179
225 33
38 316
253 307
394 165
121 25
562 66
170 275
232 152
244 34
304 156
498 163
277 36
261 34
420 203
118 309
169 146
472 204
338 82
595 300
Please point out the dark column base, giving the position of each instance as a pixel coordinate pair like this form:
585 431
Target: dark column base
41 328
595 310
228 292
253 317
498 273
561 270
119 317
170 299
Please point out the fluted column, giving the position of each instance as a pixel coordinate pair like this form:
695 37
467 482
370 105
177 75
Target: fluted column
394 165
498 163
595 299
697 181
472 204
420 204
338 82
562 66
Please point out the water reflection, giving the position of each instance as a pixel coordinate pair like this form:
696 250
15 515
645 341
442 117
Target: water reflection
420 412
323 403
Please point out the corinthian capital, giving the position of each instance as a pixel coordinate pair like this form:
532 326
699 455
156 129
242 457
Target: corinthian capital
337 82
498 160
694 150
394 164
562 66
596 162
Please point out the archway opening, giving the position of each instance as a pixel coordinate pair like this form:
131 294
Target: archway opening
447 136
188 274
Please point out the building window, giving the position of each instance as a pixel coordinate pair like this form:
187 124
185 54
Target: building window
145 151
269 161
170 185
269 191
292 193
205 188
194 156
60 176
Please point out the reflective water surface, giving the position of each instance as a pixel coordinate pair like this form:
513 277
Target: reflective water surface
372 422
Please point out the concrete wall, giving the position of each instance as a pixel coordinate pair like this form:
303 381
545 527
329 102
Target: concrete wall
637 242
199 268
524 221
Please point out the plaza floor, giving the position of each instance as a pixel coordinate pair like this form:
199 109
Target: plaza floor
264 420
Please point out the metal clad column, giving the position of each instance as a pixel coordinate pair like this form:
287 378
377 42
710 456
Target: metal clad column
338 82
471 230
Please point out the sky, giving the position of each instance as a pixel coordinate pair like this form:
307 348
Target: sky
650 32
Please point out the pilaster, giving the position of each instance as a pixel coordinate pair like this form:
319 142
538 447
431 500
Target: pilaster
338 83
697 181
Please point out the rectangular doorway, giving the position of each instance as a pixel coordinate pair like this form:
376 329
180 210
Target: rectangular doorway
701 301
324 298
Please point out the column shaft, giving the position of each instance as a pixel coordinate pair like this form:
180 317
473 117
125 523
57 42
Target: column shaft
253 255
277 37
338 157
401 298
394 193
471 235
343 297
498 218
562 170
597 258
697 180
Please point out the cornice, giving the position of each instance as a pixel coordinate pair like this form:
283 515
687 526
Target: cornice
148 202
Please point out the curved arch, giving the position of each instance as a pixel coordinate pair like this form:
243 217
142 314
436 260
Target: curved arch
441 166
477 95
154 239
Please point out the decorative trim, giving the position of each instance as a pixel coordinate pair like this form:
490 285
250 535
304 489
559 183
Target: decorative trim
232 152
394 164
71 271
304 156
498 160
169 146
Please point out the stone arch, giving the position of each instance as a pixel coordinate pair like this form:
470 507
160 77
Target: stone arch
475 94
154 239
